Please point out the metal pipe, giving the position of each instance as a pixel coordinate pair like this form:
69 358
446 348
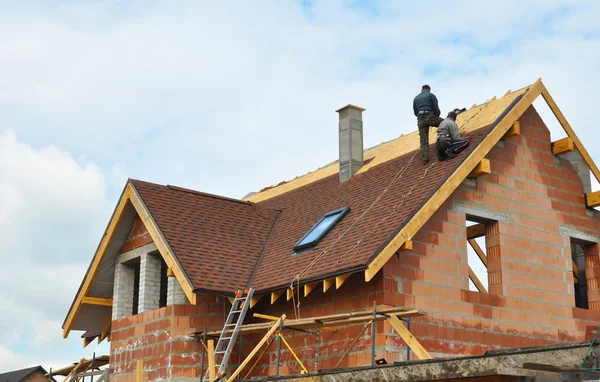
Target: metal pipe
373 335
408 347
278 348
92 365
318 334
202 355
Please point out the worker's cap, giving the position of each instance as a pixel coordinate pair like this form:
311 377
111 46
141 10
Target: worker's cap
451 114
425 87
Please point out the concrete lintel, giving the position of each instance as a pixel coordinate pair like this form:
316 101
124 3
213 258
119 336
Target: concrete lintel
576 234
135 253
481 212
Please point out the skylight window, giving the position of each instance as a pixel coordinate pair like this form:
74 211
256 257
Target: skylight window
319 230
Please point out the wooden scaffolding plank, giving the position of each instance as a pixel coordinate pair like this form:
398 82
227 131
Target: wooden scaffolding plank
407 336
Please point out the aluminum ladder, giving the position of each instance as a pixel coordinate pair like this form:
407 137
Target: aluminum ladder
231 329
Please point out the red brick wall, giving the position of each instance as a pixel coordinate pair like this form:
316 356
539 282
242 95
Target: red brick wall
138 237
531 299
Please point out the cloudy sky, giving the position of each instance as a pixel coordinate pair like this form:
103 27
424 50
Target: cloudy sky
227 99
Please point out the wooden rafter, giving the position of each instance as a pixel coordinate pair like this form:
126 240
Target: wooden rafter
254 300
563 146
327 283
407 336
476 280
507 93
170 272
464 169
478 251
515 129
475 231
569 130
96 301
482 168
289 293
309 287
592 199
105 330
575 271
275 295
340 280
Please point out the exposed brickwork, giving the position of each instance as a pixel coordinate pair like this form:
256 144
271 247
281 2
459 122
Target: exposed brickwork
592 271
138 237
123 291
36 376
531 299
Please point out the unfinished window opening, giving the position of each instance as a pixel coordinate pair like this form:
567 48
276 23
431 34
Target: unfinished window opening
578 249
164 280
319 230
136 287
477 244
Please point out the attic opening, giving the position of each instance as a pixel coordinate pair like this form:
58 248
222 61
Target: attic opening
580 287
320 229
477 257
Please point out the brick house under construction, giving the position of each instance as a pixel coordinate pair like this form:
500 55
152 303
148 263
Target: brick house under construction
377 227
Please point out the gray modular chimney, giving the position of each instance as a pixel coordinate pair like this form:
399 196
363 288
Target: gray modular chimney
351 140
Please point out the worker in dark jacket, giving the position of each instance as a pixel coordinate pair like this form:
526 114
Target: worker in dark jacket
425 106
449 143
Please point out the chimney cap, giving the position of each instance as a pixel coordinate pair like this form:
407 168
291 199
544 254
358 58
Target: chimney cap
350 106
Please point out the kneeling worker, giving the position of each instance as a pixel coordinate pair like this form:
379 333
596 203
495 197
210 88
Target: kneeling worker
449 143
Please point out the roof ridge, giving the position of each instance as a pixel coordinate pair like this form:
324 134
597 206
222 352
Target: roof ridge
190 191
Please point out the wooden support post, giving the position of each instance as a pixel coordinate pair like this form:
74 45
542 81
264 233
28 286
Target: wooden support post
482 168
309 287
293 353
592 199
515 129
275 295
139 371
97 301
340 280
212 372
478 251
475 231
476 281
275 326
327 284
563 146
254 300
407 336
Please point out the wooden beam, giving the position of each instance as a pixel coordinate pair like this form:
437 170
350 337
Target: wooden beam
162 245
473 106
507 93
475 231
289 293
93 269
327 283
407 336
275 295
476 281
265 316
482 168
105 330
139 371
565 125
96 301
478 251
515 129
493 99
562 146
260 344
309 287
212 372
441 194
575 271
231 299
592 199
340 280
170 272
87 341
406 246
254 300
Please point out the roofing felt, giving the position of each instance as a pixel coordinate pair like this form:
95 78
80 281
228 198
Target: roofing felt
224 244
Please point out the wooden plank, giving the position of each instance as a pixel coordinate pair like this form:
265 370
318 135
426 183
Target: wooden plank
87 341
507 93
407 336
475 231
260 344
170 272
162 246
482 168
473 106
212 372
254 300
441 194
565 125
563 146
592 199
515 129
309 287
96 301
406 246
105 330
139 371
575 268
340 280
327 283
492 99
93 269
275 295
265 316
478 251
476 281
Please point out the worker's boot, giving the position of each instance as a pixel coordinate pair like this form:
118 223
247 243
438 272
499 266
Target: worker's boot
450 154
440 158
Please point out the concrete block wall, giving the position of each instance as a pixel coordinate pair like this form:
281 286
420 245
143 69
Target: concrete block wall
122 291
150 265
531 293
175 294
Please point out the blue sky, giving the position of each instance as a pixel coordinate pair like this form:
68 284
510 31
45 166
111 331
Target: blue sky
229 99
